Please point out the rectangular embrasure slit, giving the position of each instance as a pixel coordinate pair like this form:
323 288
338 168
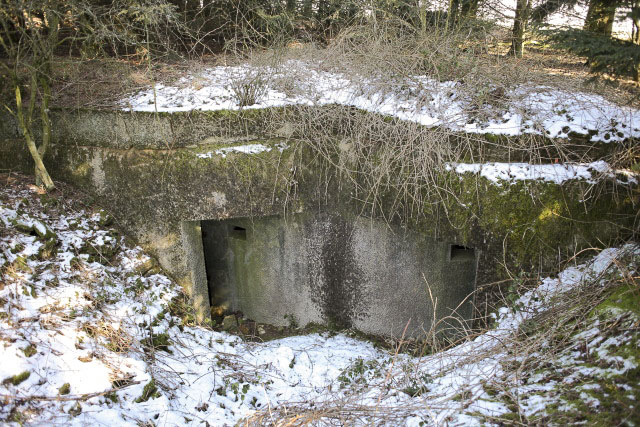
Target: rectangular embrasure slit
459 252
239 233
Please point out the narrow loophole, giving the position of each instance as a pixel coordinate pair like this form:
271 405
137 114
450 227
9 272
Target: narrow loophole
238 233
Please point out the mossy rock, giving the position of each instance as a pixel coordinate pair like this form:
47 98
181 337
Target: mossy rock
35 228
22 226
17 379
64 389
49 249
150 391
43 231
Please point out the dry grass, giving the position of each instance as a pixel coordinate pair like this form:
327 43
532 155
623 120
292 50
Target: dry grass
396 167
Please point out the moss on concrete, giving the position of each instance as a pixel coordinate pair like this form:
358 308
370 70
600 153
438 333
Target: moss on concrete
151 192
533 221
625 298
122 129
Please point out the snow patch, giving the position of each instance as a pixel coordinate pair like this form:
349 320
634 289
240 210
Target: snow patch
556 173
246 149
539 110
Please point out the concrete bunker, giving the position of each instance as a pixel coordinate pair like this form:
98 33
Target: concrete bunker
335 270
115 156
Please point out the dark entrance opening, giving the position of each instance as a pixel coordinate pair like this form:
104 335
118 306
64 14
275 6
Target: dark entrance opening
461 253
220 239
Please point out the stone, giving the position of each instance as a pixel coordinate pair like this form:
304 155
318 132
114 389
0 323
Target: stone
229 323
105 219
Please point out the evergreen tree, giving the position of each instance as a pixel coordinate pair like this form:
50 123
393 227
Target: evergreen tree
549 7
605 54
600 16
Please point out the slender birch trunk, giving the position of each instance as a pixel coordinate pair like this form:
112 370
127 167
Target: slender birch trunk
41 172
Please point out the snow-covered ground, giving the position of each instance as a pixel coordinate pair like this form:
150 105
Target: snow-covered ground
557 173
88 336
421 99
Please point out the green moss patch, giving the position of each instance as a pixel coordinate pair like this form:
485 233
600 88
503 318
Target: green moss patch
625 298
29 350
17 379
64 389
150 391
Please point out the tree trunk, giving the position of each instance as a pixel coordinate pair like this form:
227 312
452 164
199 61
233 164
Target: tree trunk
42 175
519 25
635 18
635 33
44 116
600 16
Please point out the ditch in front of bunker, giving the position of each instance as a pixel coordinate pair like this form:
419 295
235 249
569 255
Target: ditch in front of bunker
274 276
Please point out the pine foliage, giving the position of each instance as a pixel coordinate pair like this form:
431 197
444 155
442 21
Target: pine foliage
605 54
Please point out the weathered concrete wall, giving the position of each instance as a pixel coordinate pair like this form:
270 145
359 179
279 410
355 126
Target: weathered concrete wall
345 270
159 197
144 168
124 130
